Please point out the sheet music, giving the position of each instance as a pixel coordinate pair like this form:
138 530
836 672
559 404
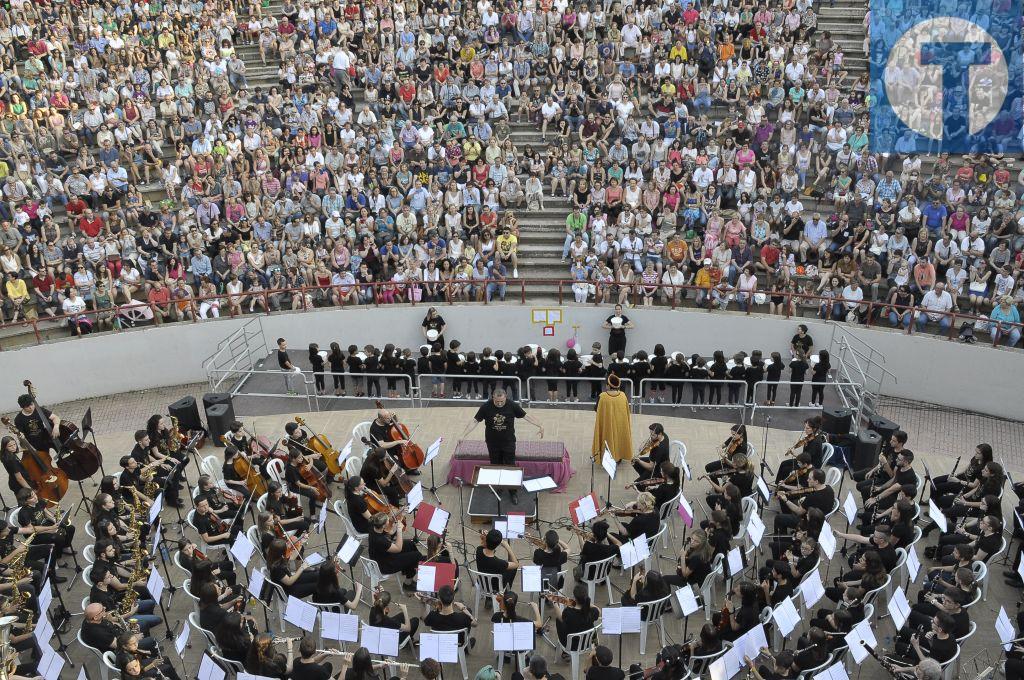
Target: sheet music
685 511
899 607
763 488
340 627
155 584
755 529
586 509
255 585
687 600
414 497
935 512
380 640
786 616
862 631
154 510
45 596
322 519
827 540
751 642
442 647
850 508
438 521
81 674
608 462
630 619
513 637
812 589
181 641
43 631
50 663
1005 629
611 620
913 564
209 670
836 671
531 578
242 549
517 523
300 613
426 576
634 552
250 676
314 559
735 562
539 484
345 453
347 549
433 450
686 469
488 477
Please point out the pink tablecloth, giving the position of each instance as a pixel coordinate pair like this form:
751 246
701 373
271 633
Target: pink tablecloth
536 458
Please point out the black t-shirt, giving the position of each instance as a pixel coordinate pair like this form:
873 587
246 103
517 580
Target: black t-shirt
210 617
282 359
379 432
34 429
12 463
595 552
356 506
489 565
306 670
805 343
378 548
499 422
647 525
822 499
104 597
575 621
99 635
442 622
605 673
699 569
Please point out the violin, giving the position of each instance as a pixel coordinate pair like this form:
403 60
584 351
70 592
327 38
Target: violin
802 442
294 546
653 481
535 540
262 446
434 602
412 454
725 621
50 483
558 598
244 469
322 445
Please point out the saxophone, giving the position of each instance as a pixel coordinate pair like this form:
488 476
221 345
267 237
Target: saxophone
174 437
131 596
18 572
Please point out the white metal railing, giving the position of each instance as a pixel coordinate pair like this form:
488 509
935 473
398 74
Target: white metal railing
727 394
586 385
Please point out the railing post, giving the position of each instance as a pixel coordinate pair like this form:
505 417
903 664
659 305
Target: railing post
951 332
522 291
559 292
871 313
266 302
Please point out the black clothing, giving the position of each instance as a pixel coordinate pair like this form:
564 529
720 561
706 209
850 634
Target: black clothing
405 561
12 463
575 621
34 429
448 622
499 430
305 670
494 565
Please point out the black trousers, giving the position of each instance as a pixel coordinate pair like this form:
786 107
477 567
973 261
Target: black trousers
501 454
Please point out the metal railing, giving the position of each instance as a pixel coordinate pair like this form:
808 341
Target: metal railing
512 384
727 394
565 392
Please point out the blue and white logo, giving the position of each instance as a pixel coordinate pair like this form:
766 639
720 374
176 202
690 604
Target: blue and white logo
945 76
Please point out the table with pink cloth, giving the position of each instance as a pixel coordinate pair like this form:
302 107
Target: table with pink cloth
535 458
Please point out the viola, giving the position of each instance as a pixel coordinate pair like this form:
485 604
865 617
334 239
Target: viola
322 445
50 483
412 454
262 446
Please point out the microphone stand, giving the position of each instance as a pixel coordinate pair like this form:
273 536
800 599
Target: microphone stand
762 502
462 511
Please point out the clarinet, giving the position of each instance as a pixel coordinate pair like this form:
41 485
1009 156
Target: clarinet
889 666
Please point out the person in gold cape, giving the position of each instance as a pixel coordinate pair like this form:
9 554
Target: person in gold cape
613 425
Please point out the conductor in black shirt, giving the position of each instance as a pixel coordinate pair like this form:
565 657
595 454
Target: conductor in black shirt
499 416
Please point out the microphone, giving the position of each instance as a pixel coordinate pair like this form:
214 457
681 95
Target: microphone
460 480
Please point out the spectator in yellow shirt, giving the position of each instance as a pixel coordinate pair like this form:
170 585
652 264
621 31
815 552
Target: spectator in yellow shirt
17 293
508 246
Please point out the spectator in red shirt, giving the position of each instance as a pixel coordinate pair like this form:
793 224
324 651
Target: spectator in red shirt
76 206
46 291
159 299
769 255
90 224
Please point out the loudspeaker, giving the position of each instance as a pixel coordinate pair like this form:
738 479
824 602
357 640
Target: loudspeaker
187 412
865 453
882 426
211 398
836 420
219 417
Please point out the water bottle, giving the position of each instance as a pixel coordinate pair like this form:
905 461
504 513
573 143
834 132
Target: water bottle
164 555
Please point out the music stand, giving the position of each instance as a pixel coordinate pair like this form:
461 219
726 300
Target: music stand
87 429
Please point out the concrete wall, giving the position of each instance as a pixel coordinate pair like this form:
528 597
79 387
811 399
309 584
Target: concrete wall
977 378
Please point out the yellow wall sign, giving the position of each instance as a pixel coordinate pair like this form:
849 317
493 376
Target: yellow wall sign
546 316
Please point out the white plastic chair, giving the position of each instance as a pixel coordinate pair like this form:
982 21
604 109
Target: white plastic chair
193 622
463 634
104 671
203 545
665 517
89 553
980 570
871 594
832 477
951 669
677 452
652 545
971 630
188 593
595 573
342 512
212 467
811 672
275 469
500 660
575 645
352 465
281 596
176 561
653 612
897 573
89 530
110 661
373 573
707 589
699 664
485 585
827 451
225 663
253 534
360 432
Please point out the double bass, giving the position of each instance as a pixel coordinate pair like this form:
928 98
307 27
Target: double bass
50 483
322 445
77 458
412 454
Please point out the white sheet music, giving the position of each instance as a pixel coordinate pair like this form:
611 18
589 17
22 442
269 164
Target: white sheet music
899 607
442 647
751 642
786 616
438 521
735 561
155 584
181 641
763 488
686 469
630 619
517 523
433 450
50 663
531 578
43 632
426 576
345 453
913 564
634 552
314 559
850 508
513 637
250 676
414 497
935 512
380 640
755 529
502 526
81 674
255 586
827 540
687 600
1005 629
300 613
539 484
156 538
322 519
340 627
611 620
154 510
209 670
812 589
608 462
242 549
861 632
45 596
586 510
499 477
836 671
347 549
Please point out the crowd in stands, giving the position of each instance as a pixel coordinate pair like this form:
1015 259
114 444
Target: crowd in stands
139 163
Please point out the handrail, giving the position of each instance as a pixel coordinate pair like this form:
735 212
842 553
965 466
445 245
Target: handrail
375 297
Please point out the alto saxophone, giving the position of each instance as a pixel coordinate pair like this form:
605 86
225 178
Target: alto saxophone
18 572
174 437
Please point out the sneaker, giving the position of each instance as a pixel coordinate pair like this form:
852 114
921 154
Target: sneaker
515 273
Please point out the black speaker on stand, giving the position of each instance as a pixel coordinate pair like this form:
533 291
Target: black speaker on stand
836 421
219 408
186 410
883 426
866 450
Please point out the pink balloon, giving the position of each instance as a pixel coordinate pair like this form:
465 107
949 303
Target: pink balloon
570 343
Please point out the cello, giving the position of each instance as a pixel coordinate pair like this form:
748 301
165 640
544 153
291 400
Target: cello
322 445
78 458
244 469
50 483
411 453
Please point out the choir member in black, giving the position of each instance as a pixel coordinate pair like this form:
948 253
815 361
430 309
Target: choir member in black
488 562
136 662
601 665
35 517
234 636
10 456
795 504
951 598
938 643
868 573
735 444
264 659
877 477
300 582
656 452
669 489
596 372
37 426
102 627
380 435
694 562
645 520
507 612
742 617
288 513
810 443
550 559
600 545
446 615
381 617
740 475
213 529
644 588
577 616
987 539
884 496
190 557
297 483
378 474
311 664
390 551
720 531
329 590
